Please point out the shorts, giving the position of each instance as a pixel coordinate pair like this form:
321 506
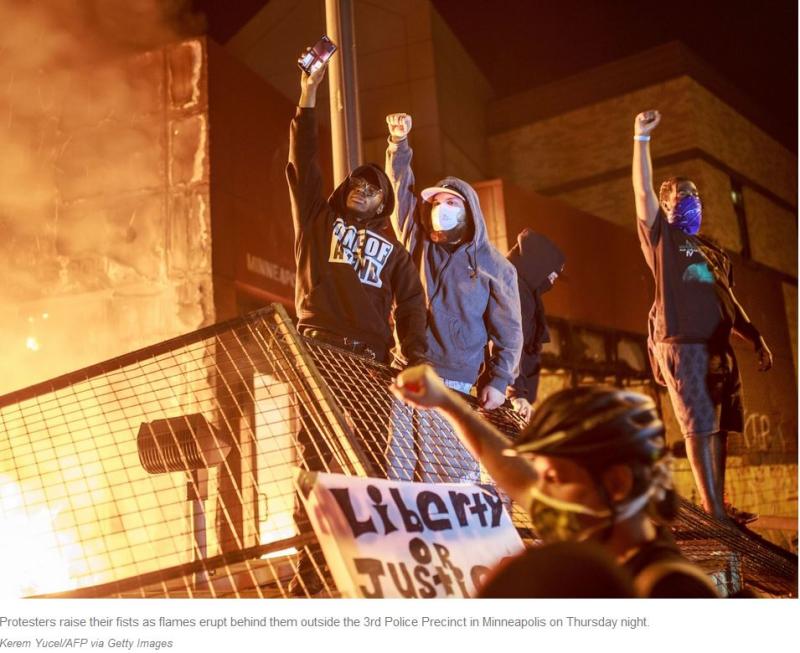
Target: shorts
704 387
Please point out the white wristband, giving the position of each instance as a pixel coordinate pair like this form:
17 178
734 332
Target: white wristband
641 137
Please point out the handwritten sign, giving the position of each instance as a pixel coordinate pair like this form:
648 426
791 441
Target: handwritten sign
413 540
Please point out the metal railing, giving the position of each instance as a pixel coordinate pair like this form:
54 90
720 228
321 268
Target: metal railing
167 472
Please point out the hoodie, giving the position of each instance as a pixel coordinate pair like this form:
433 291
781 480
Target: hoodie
353 277
471 292
535 257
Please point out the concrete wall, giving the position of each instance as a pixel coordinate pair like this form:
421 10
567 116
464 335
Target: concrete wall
408 61
253 238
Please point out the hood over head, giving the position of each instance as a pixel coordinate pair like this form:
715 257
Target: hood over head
535 256
373 175
473 207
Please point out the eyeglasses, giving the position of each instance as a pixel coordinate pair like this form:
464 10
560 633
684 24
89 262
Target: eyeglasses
366 189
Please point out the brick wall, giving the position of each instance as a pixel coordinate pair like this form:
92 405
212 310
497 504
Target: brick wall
612 199
772 231
790 305
595 140
767 490
583 157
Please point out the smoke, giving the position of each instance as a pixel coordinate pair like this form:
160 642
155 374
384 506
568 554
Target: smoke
82 171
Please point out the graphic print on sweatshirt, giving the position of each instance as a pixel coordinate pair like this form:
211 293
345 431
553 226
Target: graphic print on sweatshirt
375 251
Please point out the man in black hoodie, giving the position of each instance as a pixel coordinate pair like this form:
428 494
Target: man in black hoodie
538 262
352 273
353 276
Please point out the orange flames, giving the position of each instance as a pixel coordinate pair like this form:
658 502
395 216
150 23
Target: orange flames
37 557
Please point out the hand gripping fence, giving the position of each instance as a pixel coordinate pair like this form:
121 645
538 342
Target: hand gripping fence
167 472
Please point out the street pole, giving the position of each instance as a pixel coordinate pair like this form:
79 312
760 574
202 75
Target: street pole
343 85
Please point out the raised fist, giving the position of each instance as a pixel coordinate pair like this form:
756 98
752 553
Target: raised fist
399 125
646 122
420 387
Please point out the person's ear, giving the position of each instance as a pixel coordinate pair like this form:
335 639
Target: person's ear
618 482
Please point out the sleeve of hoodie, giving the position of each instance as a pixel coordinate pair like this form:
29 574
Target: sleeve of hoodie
398 169
303 171
504 324
410 312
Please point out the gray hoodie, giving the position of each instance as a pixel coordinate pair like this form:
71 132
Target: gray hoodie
472 294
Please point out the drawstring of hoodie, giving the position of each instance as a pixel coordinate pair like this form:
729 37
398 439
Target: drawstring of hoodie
360 244
472 256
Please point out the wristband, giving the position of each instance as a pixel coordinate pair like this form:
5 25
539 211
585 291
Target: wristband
641 137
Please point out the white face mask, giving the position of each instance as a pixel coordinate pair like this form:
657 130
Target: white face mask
445 217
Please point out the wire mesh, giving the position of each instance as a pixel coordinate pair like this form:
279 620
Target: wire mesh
168 472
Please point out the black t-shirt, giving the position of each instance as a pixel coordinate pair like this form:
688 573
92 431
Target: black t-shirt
661 572
692 275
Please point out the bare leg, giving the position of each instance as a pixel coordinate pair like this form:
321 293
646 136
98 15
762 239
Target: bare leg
701 459
719 454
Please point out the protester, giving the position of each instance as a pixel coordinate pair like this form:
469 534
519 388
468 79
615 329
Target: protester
354 279
471 292
691 320
538 262
353 276
471 289
591 465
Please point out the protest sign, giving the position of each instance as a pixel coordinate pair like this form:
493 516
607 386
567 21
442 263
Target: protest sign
399 539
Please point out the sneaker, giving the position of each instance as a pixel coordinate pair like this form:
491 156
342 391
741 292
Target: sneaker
740 516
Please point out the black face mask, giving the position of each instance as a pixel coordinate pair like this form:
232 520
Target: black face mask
547 284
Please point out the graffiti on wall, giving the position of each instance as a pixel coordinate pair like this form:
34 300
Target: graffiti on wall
765 432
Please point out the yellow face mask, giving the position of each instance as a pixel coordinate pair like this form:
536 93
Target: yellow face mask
555 520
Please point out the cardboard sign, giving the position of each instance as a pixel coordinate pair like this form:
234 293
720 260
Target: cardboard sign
407 540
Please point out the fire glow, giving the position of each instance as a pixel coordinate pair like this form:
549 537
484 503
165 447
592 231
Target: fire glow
270 533
37 556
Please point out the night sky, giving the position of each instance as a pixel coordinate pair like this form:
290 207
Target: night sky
521 44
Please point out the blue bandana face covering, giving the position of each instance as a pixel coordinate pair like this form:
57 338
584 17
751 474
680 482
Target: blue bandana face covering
687 215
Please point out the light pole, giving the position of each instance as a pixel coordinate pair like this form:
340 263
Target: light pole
343 81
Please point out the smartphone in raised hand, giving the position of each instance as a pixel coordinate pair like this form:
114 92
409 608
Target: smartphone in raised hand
316 55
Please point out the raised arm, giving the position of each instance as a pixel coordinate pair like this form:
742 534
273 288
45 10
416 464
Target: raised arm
398 169
642 172
303 172
504 325
421 387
